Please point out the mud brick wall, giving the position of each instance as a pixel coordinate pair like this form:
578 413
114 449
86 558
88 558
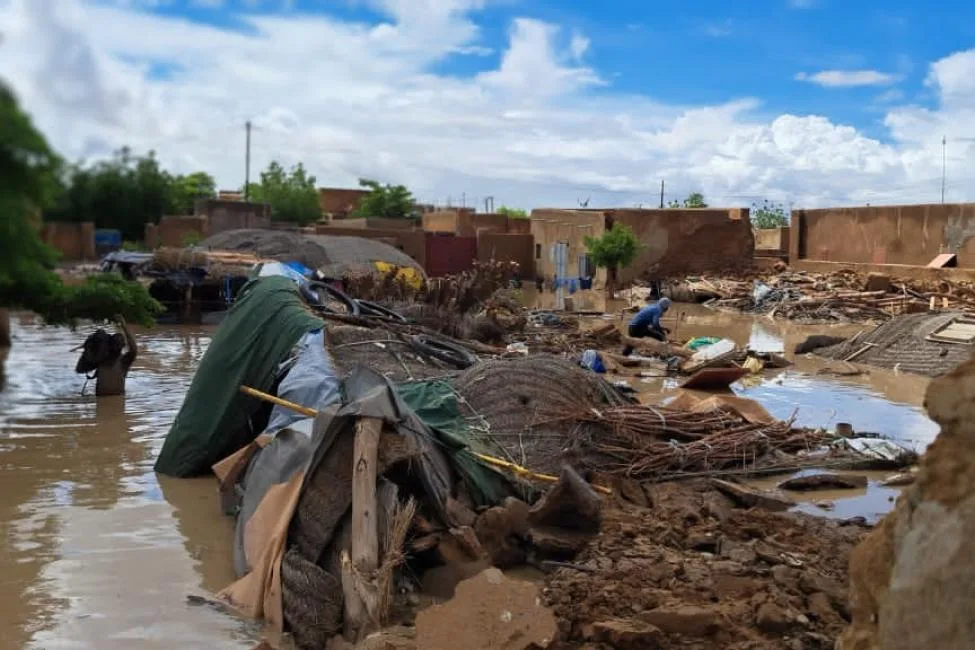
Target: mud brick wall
469 224
441 221
518 226
892 234
505 247
675 242
549 226
385 223
232 215
172 231
680 242
772 239
339 202
75 241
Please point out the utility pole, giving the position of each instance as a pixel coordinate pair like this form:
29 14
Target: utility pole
661 194
247 164
463 199
944 166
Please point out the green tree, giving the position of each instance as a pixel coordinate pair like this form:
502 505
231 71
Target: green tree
390 201
513 213
693 200
614 249
187 189
29 183
769 215
291 194
125 192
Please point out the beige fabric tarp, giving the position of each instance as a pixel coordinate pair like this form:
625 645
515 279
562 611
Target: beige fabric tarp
258 594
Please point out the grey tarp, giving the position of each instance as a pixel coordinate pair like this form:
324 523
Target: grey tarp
367 394
310 381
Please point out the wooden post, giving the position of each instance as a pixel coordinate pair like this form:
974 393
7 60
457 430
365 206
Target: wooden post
358 571
5 328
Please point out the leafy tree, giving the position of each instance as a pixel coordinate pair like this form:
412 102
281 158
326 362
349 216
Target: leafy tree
614 249
693 200
769 215
291 194
125 192
513 213
390 201
187 189
29 183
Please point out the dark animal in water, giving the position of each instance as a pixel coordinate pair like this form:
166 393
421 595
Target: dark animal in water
816 342
100 347
102 353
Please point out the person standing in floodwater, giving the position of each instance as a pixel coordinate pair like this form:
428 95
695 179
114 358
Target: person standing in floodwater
103 354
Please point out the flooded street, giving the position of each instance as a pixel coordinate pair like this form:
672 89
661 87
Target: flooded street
101 553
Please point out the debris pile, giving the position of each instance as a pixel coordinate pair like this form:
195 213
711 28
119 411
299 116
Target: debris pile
686 569
461 293
923 344
841 296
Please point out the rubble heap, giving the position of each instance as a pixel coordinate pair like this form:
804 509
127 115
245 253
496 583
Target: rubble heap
684 569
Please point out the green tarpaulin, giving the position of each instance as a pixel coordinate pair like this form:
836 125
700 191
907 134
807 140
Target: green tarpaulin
261 329
435 402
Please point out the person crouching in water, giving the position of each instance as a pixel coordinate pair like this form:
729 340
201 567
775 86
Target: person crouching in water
103 354
646 323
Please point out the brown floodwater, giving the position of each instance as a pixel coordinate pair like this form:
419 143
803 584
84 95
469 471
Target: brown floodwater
101 553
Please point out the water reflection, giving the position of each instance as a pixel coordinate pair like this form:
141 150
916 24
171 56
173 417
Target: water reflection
96 557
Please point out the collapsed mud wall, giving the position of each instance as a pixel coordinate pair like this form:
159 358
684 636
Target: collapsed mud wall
912 581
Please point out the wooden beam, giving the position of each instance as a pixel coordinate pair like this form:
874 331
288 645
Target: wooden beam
359 567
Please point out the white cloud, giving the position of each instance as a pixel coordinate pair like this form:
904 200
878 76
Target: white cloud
578 46
848 78
890 96
718 30
540 127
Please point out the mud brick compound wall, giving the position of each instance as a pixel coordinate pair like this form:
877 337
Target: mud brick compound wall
506 247
232 215
675 242
75 241
892 234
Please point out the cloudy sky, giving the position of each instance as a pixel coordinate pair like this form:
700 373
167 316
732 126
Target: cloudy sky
533 102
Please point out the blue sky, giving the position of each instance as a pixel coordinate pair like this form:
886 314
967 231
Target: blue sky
804 101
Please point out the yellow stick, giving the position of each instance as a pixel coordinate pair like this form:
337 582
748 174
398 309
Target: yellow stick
498 462
298 408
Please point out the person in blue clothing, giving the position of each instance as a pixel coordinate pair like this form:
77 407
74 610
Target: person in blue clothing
646 323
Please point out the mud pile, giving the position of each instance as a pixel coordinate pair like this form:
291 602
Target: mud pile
690 571
913 578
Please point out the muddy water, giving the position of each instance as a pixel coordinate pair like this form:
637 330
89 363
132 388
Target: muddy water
99 552
876 401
